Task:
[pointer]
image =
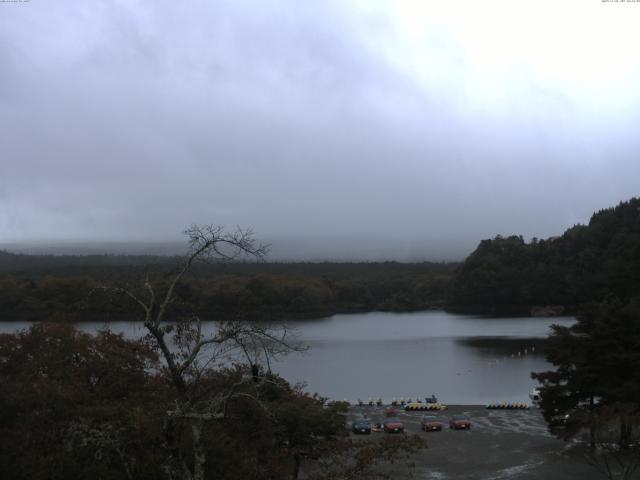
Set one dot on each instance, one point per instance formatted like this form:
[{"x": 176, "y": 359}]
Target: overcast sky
[{"x": 130, "y": 120}]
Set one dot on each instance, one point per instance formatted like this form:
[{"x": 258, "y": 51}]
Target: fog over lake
[{"x": 462, "y": 359}]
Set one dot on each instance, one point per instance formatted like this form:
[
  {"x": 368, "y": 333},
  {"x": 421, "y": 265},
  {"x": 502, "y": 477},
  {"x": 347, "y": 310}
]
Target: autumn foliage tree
[{"x": 75, "y": 405}]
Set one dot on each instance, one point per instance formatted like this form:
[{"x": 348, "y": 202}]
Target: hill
[{"x": 587, "y": 263}]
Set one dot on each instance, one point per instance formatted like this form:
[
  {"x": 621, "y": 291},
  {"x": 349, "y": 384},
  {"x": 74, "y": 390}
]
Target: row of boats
[
  {"x": 432, "y": 400},
  {"x": 431, "y": 403},
  {"x": 507, "y": 406}
]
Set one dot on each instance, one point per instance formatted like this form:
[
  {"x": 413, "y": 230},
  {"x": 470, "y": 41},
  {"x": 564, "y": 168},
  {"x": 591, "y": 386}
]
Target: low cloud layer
[{"x": 129, "y": 120}]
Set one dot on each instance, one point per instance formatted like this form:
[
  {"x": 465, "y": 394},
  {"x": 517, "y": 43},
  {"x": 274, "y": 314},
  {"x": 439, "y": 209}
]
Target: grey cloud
[{"x": 131, "y": 121}]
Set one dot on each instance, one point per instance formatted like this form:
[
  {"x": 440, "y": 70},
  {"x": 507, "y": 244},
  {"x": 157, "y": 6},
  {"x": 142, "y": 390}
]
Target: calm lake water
[{"x": 461, "y": 359}]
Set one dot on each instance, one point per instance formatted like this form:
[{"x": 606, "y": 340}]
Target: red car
[
  {"x": 459, "y": 422},
  {"x": 390, "y": 412},
  {"x": 393, "y": 425},
  {"x": 430, "y": 423}
]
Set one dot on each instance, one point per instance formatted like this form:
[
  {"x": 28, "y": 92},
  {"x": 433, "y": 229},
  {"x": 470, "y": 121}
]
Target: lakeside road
[{"x": 501, "y": 445}]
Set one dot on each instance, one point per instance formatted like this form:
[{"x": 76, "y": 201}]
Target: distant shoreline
[{"x": 282, "y": 316}]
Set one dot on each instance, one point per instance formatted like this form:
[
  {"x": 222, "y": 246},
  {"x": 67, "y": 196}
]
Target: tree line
[
  {"x": 503, "y": 275},
  {"x": 587, "y": 263},
  {"x": 249, "y": 290}
]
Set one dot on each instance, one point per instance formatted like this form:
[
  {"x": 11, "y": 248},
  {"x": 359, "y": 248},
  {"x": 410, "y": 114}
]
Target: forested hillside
[
  {"x": 41, "y": 287},
  {"x": 586, "y": 263},
  {"x": 503, "y": 275}
]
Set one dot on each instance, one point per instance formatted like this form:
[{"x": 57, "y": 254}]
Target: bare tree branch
[{"x": 206, "y": 243}]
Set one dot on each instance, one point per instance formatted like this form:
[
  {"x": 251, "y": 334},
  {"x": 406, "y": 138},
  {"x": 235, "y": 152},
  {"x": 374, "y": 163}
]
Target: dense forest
[
  {"x": 37, "y": 287},
  {"x": 503, "y": 275},
  {"x": 587, "y": 263}
]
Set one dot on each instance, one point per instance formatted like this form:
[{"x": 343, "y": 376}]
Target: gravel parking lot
[{"x": 502, "y": 444}]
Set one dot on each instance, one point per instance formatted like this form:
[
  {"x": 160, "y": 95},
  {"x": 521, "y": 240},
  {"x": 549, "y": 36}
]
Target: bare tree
[{"x": 189, "y": 352}]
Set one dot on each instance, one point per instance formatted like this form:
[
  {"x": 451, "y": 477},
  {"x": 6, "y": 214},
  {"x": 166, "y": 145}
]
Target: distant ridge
[{"x": 96, "y": 248}]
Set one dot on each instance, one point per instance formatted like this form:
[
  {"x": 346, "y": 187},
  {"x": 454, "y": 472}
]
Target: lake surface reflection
[{"x": 461, "y": 359}]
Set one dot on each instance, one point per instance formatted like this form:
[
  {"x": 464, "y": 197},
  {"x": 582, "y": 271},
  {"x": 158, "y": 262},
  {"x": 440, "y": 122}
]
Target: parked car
[
  {"x": 430, "y": 423},
  {"x": 361, "y": 425},
  {"x": 393, "y": 425},
  {"x": 390, "y": 412},
  {"x": 459, "y": 422}
]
